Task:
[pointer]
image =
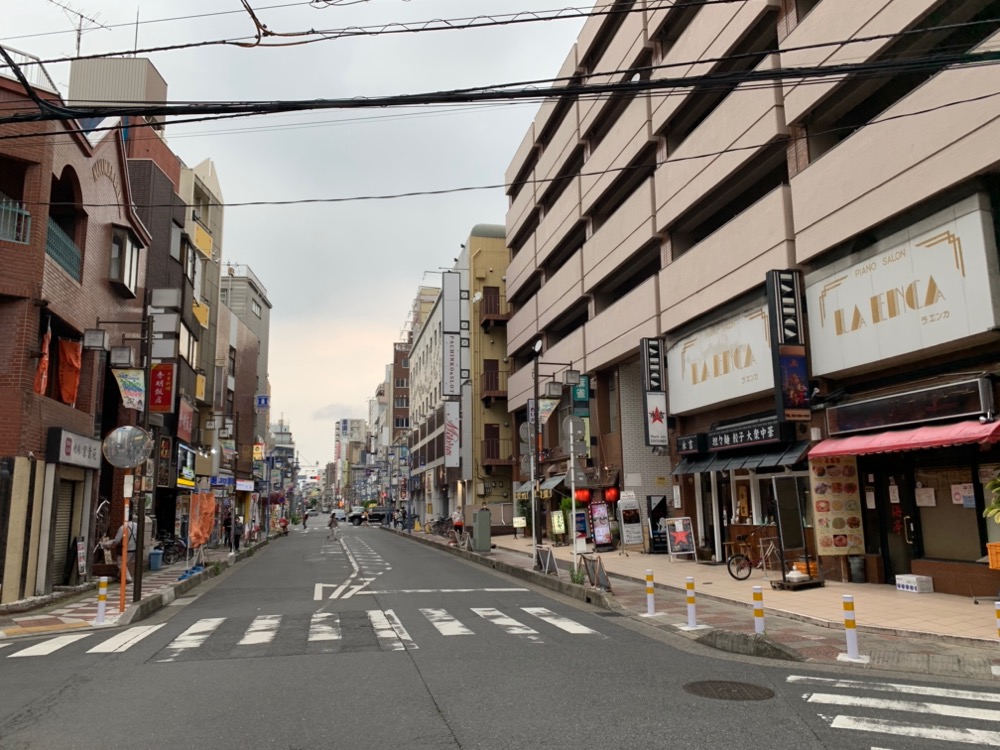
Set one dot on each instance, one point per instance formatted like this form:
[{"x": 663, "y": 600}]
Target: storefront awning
[
  {"x": 552, "y": 482},
  {"x": 930, "y": 436},
  {"x": 692, "y": 465},
  {"x": 784, "y": 455}
]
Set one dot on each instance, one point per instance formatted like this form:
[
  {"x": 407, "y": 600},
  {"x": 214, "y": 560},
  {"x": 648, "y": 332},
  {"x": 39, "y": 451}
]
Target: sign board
[
  {"x": 931, "y": 284},
  {"x": 244, "y": 485},
  {"x": 631, "y": 520},
  {"x": 596, "y": 574},
  {"x": 262, "y": 402},
  {"x": 836, "y": 499},
  {"x": 601, "y": 526},
  {"x": 451, "y": 353},
  {"x": 680, "y": 536},
  {"x": 557, "y": 523},
  {"x": 520, "y": 522},
  {"x": 452, "y": 447},
  {"x": 185, "y": 466},
  {"x": 161, "y": 394},
  {"x": 67, "y": 447},
  {"x": 656, "y": 418},
  {"x": 547, "y": 560}
]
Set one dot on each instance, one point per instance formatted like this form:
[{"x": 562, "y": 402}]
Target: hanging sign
[
  {"x": 161, "y": 395},
  {"x": 132, "y": 385}
]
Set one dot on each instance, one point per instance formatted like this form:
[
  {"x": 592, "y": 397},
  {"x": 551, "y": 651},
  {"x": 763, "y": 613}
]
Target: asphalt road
[{"x": 373, "y": 641}]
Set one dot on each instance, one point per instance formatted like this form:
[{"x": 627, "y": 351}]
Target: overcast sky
[{"x": 341, "y": 277}]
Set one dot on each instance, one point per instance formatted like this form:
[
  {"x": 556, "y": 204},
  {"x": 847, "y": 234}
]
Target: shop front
[{"x": 904, "y": 336}]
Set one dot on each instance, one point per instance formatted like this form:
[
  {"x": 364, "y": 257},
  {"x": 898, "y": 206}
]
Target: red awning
[{"x": 931, "y": 436}]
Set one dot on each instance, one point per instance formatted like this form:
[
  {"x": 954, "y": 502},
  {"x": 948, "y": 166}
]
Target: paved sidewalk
[
  {"x": 928, "y": 634},
  {"x": 159, "y": 588}
]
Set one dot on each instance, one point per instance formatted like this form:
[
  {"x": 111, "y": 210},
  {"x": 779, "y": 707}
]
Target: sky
[{"x": 341, "y": 277}]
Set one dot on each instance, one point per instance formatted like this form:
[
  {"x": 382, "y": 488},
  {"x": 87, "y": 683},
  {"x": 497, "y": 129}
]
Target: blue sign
[
  {"x": 223, "y": 481},
  {"x": 263, "y": 401}
]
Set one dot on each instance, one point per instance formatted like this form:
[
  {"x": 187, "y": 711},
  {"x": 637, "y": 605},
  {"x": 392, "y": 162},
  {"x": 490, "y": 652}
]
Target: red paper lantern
[
  {"x": 611, "y": 494},
  {"x": 583, "y": 495}
]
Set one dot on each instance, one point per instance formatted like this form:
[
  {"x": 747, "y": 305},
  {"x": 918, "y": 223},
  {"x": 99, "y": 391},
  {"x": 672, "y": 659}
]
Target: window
[
  {"x": 124, "y": 269},
  {"x": 231, "y": 369},
  {"x": 406, "y": 363},
  {"x": 190, "y": 261},
  {"x": 175, "y": 241},
  {"x": 255, "y": 307},
  {"x": 402, "y": 402},
  {"x": 187, "y": 346},
  {"x": 402, "y": 422}
]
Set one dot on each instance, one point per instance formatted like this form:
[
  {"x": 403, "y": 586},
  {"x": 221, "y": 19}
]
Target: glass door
[{"x": 900, "y": 522}]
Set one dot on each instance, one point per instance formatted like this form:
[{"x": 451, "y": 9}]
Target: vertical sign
[
  {"x": 655, "y": 398},
  {"x": 788, "y": 345},
  {"x": 161, "y": 394},
  {"x": 656, "y": 418},
  {"x": 452, "y": 453},
  {"x": 185, "y": 420}
]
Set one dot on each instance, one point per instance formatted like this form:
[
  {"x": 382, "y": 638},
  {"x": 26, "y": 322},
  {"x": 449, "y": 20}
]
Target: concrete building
[{"x": 658, "y": 213}]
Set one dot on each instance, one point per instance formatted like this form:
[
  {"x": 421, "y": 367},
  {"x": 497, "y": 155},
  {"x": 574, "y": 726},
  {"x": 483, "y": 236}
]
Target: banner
[
  {"x": 132, "y": 385},
  {"x": 258, "y": 451},
  {"x": 70, "y": 355},
  {"x": 452, "y": 453},
  {"x": 202, "y": 517},
  {"x": 547, "y": 407}
]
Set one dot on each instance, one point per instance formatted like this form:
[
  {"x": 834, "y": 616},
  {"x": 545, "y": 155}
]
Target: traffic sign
[{"x": 263, "y": 402}]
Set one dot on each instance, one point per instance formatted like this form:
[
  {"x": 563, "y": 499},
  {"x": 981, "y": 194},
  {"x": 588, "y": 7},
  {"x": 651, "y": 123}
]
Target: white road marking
[
  {"x": 391, "y": 634},
  {"x": 919, "y": 707},
  {"x": 564, "y": 623},
  {"x": 445, "y": 623},
  {"x": 262, "y": 630},
  {"x": 894, "y": 687},
  {"x": 4, "y": 645},
  {"x": 318, "y": 590},
  {"x": 193, "y": 637},
  {"x": 47, "y": 647},
  {"x": 125, "y": 640},
  {"x": 508, "y": 624},
  {"x": 324, "y": 626},
  {"x": 433, "y": 591},
  {"x": 981, "y": 737}
]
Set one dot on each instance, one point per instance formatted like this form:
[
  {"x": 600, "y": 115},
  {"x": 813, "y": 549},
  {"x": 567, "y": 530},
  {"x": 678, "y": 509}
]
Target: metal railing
[
  {"x": 61, "y": 248},
  {"x": 497, "y": 452},
  {"x": 494, "y": 307},
  {"x": 493, "y": 383},
  {"x": 15, "y": 222}
]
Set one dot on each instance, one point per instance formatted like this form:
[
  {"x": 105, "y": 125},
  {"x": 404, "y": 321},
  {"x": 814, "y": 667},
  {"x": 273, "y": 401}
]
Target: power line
[{"x": 543, "y": 181}]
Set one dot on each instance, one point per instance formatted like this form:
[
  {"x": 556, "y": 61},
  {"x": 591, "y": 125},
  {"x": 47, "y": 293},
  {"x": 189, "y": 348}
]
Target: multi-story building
[
  {"x": 73, "y": 252},
  {"x": 658, "y": 213},
  {"x": 487, "y": 445},
  {"x": 427, "y": 416}
]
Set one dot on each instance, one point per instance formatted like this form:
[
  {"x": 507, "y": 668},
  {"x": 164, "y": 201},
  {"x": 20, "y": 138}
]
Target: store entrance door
[{"x": 900, "y": 522}]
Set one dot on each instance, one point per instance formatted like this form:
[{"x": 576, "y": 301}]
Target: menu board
[
  {"x": 631, "y": 521},
  {"x": 600, "y": 524},
  {"x": 836, "y": 500}
]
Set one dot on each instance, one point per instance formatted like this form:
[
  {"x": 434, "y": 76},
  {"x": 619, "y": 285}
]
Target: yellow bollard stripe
[
  {"x": 848, "y": 606},
  {"x": 849, "y": 624},
  {"x": 649, "y": 590},
  {"x": 102, "y": 597},
  {"x": 690, "y": 600},
  {"x": 758, "y": 613}
]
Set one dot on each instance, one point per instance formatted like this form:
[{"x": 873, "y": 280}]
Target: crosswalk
[
  {"x": 903, "y": 711},
  {"x": 320, "y": 632}
]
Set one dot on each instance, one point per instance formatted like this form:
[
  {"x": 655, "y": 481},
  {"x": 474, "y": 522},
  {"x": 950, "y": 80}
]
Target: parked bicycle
[
  {"x": 754, "y": 550},
  {"x": 442, "y": 526},
  {"x": 174, "y": 548}
]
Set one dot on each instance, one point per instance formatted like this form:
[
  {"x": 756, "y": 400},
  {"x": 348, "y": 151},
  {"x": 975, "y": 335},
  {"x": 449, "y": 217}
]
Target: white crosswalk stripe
[
  {"x": 50, "y": 646},
  {"x": 324, "y": 629},
  {"x": 865, "y": 712},
  {"x": 125, "y": 640},
  {"x": 261, "y": 631}
]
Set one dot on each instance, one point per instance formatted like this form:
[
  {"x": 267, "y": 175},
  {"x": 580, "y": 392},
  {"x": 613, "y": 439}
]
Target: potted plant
[{"x": 993, "y": 511}]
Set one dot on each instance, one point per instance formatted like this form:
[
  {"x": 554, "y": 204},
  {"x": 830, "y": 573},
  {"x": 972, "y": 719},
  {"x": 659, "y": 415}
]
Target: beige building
[{"x": 658, "y": 213}]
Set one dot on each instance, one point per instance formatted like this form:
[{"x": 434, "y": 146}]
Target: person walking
[
  {"x": 364, "y": 517},
  {"x": 333, "y": 525},
  {"x": 227, "y": 529},
  {"x": 237, "y": 533},
  {"x": 116, "y": 545}
]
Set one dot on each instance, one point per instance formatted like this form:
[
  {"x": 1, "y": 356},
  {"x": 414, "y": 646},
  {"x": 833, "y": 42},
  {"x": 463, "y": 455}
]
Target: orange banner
[
  {"x": 42, "y": 372},
  {"x": 70, "y": 355},
  {"x": 202, "y": 517}
]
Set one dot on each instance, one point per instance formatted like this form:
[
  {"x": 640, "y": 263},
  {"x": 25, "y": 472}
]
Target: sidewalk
[
  {"x": 159, "y": 588},
  {"x": 928, "y": 634}
]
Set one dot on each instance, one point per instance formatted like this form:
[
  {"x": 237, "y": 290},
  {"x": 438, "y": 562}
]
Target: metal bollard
[
  {"x": 850, "y": 628},
  {"x": 650, "y": 603},
  {"x": 758, "y": 610},
  {"x": 102, "y": 599},
  {"x": 997, "y": 606},
  {"x": 692, "y": 614}
]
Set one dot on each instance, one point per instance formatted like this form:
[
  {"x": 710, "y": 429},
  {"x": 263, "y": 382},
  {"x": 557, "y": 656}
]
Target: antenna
[{"x": 80, "y": 18}]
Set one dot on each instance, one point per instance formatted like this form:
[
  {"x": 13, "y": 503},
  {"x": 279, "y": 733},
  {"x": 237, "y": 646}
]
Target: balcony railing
[
  {"x": 15, "y": 222},
  {"x": 64, "y": 251},
  {"x": 497, "y": 452},
  {"x": 493, "y": 310},
  {"x": 493, "y": 384}
]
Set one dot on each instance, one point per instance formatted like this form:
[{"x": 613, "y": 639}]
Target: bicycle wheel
[
  {"x": 169, "y": 554},
  {"x": 739, "y": 567}
]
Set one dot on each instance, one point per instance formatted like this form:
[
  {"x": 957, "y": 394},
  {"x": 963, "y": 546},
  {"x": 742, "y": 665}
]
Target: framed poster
[
  {"x": 680, "y": 536},
  {"x": 836, "y": 499},
  {"x": 601, "y": 525}
]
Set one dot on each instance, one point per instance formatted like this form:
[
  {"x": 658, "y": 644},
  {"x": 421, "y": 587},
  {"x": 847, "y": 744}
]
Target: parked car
[
  {"x": 376, "y": 514},
  {"x": 340, "y": 514}
]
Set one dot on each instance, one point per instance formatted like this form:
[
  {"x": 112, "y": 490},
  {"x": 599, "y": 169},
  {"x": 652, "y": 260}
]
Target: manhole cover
[{"x": 729, "y": 691}]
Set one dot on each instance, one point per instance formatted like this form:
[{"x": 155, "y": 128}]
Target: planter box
[
  {"x": 993, "y": 550},
  {"x": 915, "y": 584}
]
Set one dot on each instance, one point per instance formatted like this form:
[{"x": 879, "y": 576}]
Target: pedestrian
[
  {"x": 237, "y": 533},
  {"x": 227, "y": 529},
  {"x": 333, "y": 525},
  {"x": 116, "y": 545},
  {"x": 458, "y": 521},
  {"x": 305, "y": 517},
  {"x": 364, "y": 517}
]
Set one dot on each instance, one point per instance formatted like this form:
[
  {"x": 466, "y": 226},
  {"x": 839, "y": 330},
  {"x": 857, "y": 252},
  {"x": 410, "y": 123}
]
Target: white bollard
[
  {"x": 997, "y": 607},
  {"x": 650, "y": 602},
  {"x": 850, "y": 627},
  {"x": 758, "y": 610},
  {"x": 102, "y": 599},
  {"x": 692, "y": 614}
]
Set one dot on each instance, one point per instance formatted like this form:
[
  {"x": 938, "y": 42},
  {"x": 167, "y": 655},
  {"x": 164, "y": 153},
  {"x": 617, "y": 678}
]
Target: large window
[
  {"x": 255, "y": 307},
  {"x": 124, "y": 269},
  {"x": 187, "y": 346}
]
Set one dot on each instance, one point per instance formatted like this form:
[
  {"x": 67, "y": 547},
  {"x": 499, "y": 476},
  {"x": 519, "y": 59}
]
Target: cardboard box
[{"x": 915, "y": 584}]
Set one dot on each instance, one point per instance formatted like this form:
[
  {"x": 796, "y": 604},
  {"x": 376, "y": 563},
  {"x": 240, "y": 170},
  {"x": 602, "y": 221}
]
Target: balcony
[
  {"x": 497, "y": 452},
  {"x": 493, "y": 310},
  {"x": 15, "y": 222},
  {"x": 64, "y": 251},
  {"x": 493, "y": 386}
]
